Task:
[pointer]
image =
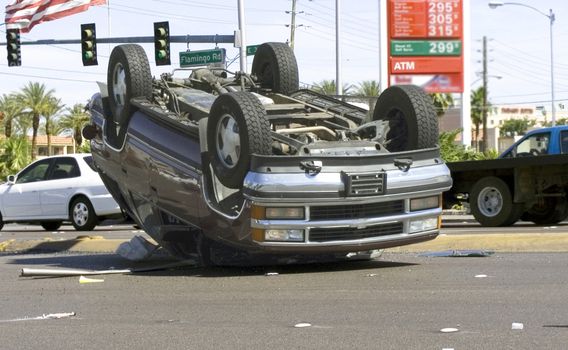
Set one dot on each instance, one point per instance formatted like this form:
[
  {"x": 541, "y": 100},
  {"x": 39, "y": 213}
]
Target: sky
[{"x": 518, "y": 43}]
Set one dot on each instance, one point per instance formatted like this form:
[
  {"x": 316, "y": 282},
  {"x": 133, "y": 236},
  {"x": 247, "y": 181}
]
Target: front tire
[
  {"x": 492, "y": 204},
  {"x": 413, "y": 122},
  {"x": 237, "y": 128},
  {"x": 128, "y": 76},
  {"x": 82, "y": 215}
]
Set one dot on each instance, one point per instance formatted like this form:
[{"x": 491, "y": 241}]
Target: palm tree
[
  {"x": 442, "y": 102},
  {"x": 74, "y": 120},
  {"x": 50, "y": 113},
  {"x": 368, "y": 88},
  {"x": 36, "y": 98},
  {"x": 9, "y": 110},
  {"x": 477, "y": 110},
  {"x": 327, "y": 87}
]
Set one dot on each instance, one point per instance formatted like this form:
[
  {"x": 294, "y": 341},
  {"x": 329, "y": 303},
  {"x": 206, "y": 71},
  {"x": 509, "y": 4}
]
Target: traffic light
[
  {"x": 162, "y": 43},
  {"x": 13, "y": 46},
  {"x": 89, "y": 44}
]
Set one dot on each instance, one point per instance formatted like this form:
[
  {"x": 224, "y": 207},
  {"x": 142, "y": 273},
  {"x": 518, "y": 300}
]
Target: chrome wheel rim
[
  {"x": 80, "y": 214},
  {"x": 490, "y": 201},
  {"x": 119, "y": 85},
  {"x": 228, "y": 142}
]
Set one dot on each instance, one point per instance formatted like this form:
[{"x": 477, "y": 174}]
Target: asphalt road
[{"x": 401, "y": 301}]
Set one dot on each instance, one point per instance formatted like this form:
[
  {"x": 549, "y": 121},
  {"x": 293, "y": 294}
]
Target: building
[{"x": 59, "y": 145}]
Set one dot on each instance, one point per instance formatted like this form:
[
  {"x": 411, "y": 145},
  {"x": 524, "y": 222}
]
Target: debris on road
[
  {"x": 271, "y": 274},
  {"x": 302, "y": 325},
  {"x": 84, "y": 280},
  {"x": 55, "y": 316},
  {"x": 517, "y": 326},
  {"x": 33, "y": 272},
  {"x": 449, "y": 330},
  {"x": 137, "y": 249},
  {"x": 481, "y": 276},
  {"x": 475, "y": 253}
]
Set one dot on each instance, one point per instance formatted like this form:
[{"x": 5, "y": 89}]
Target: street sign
[
  {"x": 251, "y": 49},
  {"x": 425, "y": 47},
  {"x": 201, "y": 57}
]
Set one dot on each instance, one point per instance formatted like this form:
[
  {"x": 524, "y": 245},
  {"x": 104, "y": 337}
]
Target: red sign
[
  {"x": 427, "y": 20},
  {"x": 425, "y": 65}
]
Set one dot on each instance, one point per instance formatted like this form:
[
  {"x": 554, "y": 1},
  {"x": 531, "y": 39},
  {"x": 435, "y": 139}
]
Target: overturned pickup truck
[{"x": 236, "y": 168}]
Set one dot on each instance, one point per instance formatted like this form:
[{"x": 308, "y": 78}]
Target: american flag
[{"x": 25, "y": 14}]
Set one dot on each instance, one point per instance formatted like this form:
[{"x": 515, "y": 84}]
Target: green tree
[
  {"x": 515, "y": 127},
  {"x": 477, "y": 110},
  {"x": 73, "y": 121},
  {"x": 368, "y": 88},
  {"x": 327, "y": 87},
  {"x": 442, "y": 102},
  {"x": 15, "y": 155},
  {"x": 50, "y": 115},
  {"x": 10, "y": 109},
  {"x": 36, "y": 98}
]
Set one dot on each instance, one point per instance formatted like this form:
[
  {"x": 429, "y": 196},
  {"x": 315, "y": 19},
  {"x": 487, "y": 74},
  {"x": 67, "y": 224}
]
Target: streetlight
[{"x": 551, "y": 17}]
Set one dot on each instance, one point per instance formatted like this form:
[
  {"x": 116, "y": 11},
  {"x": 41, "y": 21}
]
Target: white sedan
[{"x": 56, "y": 189}]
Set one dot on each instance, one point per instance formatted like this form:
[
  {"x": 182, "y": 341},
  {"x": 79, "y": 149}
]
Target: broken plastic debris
[
  {"x": 58, "y": 315},
  {"x": 302, "y": 325},
  {"x": 480, "y": 276},
  {"x": 137, "y": 249},
  {"x": 84, "y": 279},
  {"x": 271, "y": 274},
  {"x": 517, "y": 326},
  {"x": 477, "y": 253},
  {"x": 449, "y": 330},
  {"x": 370, "y": 275}
]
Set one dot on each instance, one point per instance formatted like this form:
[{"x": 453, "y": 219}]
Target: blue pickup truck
[{"x": 529, "y": 181}]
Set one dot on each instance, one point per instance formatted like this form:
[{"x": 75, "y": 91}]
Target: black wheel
[
  {"x": 492, "y": 204},
  {"x": 275, "y": 67},
  {"x": 547, "y": 211},
  {"x": 413, "y": 123},
  {"x": 237, "y": 128},
  {"x": 128, "y": 76},
  {"x": 82, "y": 215},
  {"x": 50, "y": 225},
  {"x": 1, "y": 222}
]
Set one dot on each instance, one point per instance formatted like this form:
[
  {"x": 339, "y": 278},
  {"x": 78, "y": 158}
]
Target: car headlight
[
  {"x": 424, "y": 203},
  {"x": 425, "y": 224},
  {"x": 277, "y": 213},
  {"x": 278, "y": 235}
]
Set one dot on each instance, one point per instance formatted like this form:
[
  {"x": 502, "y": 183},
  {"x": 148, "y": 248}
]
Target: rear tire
[
  {"x": 492, "y": 204},
  {"x": 275, "y": 68},
  {"x": 82, "y": 215},
  {"x": 128, "y": 76},
  {"x": 413, "y": 122},
  {"x": 550, "y": 211},
  {"x": 51, "y": 225},
  {"x": 237, "y": 128}
]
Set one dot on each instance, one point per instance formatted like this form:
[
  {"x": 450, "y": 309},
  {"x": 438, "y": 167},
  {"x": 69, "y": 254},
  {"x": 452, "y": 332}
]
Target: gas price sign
[{"x": 423, "y": 35}]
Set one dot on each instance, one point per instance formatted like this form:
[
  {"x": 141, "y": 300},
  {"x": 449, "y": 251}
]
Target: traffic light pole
[{"x": 190, "y": 39}]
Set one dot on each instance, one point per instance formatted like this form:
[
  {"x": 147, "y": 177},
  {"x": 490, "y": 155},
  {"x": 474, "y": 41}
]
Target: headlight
[
  {"x": 426, "y": 224},
  {"x": 424, "y": 203},
  {"x": 277, "y": 213},
  {"x": 280, "y": 235}
]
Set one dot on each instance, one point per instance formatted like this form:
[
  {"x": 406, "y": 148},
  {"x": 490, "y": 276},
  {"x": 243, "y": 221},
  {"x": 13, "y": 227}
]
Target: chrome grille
[
  {"x": 357, "y": 211},
  {"x": 349, "y": 233}
]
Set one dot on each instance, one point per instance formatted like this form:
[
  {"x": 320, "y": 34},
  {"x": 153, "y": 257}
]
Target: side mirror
[
  {"x": 89, "y": 132},
  {"x": 11, "y": 179}
]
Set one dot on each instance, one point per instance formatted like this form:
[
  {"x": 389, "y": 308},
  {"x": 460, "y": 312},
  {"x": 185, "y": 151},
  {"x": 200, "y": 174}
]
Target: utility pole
[
  {"x": 338, "y": 82},
  {"x": 293, "y": 24},
  {"x": 484, "y": 112}
]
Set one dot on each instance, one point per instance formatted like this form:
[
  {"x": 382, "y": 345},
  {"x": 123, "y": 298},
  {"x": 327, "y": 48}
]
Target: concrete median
[{"x": 508, "y": 242}]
